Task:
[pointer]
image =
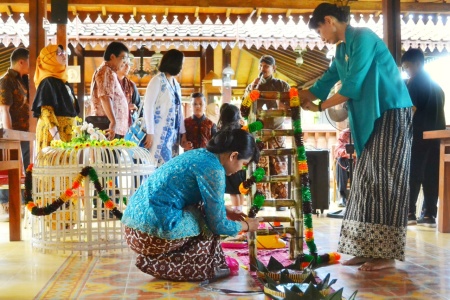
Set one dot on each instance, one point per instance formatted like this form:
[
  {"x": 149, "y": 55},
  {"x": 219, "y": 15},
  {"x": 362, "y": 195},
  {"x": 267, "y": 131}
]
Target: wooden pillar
[
  {"x": 37, "y": 36},
  {"x": 226, "y": 61},
  {"x": 61, "y": 35},
  {"x": 392, "y": 29},
  {"x": 79, "y": 52},
  {"x": 206, "y": 61}
]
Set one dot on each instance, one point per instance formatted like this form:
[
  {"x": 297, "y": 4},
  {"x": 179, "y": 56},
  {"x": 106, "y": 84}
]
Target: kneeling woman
[{"x": 175, "y": 218}]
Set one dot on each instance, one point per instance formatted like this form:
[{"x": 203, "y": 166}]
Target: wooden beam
[
  {"x": 372, "y": 6},
  {"x": 104, "y": 11},
  {"x": 392, "y": 28},
  {"x": 134, "y": 11},
  {"x": 74, "y": 10},
  {"x": 8, "y": 10},
  {"x": 197, "y": 9}
]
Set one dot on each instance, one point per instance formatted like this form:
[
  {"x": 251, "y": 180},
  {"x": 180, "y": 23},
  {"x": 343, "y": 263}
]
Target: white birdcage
[{"x": 83, "y": 223}]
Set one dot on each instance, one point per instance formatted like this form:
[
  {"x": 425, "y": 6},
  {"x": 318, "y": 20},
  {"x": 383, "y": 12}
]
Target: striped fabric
[{"x": 375, "y": 220}]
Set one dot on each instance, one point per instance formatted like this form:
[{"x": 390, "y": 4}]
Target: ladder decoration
[
  {"x": 303, "y": 171},
  {"x": 301, "y": 204}
]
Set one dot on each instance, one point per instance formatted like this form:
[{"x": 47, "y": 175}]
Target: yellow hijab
[{"x": 48, "y": 66}]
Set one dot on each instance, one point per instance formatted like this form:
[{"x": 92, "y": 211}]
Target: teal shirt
[
  {"x": 165, "y": 204},
  {"x": 370, "y": 79}
]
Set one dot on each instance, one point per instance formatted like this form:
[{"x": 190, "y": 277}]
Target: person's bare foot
[
  {"x": 377, "y": 264},
  {"x": 357, "y": 260}
]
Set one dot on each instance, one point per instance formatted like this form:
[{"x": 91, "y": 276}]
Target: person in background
[
  {"x": 230, "y": 118},
  {"x": 107, "y": 96},
  {"x": 428, "y": 99},
  {"x": 15, "y": 108},
  {"x": 163, "y": 112},
  {"x": 175, "y": 218},
  {"x": 130, "y": 90},
  {"x": 199, "y": 129},
  {"x": 277, "y": 164},
  {"x": 342, "y": 165},
  {"x": 213, "y": 112},
  {"x": 375, "y": 220},
  {"x": 55, "y": 104}
]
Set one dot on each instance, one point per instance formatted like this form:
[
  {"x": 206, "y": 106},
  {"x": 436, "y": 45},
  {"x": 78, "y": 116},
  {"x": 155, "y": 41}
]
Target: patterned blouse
[
  {"x": 14, "y": 93},
  {"x": 164, "y": 205},
  {"x": 106, "y": 83},
  {"x": 199, "y": 131}
]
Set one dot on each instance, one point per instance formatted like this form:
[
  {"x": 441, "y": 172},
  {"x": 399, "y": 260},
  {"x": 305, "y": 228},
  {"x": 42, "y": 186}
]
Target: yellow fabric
[
  {"x": 48, "y": 120},
  {"x": 269, "y": 242},
  {"x": 48, "y": 66}
]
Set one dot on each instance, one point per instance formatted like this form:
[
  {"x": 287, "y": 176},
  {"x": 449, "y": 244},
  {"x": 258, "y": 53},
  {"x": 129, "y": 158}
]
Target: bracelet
[
  {"x": 248, "y": 226},
  {"x": 320, "y": 106}
]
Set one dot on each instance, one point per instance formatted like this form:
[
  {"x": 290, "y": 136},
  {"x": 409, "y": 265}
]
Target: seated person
[{"x": 175, "y": 219}]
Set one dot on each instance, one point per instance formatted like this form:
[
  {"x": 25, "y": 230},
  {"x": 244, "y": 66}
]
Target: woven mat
[{"x": 282, "y": 255}]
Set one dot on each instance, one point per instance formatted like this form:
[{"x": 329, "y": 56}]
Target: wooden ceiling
[{"x": 244, "y": 61}]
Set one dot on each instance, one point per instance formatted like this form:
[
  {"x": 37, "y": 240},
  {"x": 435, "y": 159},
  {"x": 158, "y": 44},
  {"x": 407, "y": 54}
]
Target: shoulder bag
[{"x": 136, "y": 133}]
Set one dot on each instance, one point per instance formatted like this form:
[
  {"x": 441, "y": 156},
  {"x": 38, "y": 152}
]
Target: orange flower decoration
[
  {"x": 302, "y": 167},
  {"x": 109, "y": 204},
  {"x": 69, "y": 193},
  {"x": 293, "y": 92},
  {"x": 254, "y": 95},
  {"x": 30, "y": 205},
  {"x": 75, "y": 184},
  {"x": 243, "y": 190}
]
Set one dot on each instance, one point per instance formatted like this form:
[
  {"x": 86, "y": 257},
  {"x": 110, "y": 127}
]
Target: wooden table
[
  {"x": 444, "y": 177},
  {"x": 10, "y": 160}
]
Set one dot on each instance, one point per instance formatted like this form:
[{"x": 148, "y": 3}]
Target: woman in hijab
[
  {"x": 55, "y": 104},
  {"x": 213, "y": 112}
]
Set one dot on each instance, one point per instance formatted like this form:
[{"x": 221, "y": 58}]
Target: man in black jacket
[{"x": 428, "y": 99}]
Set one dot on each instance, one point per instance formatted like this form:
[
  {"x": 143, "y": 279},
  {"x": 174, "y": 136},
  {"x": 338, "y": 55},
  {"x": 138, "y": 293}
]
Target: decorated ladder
[{"x": 300, "y": 220}]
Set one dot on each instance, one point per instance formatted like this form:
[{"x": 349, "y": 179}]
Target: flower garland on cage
[
  {"x": 67, "y": 194},
  {"x": 85, "y": 135},
  {"x": 302, "y": 166},
  {"x": 247, "y": 103}
]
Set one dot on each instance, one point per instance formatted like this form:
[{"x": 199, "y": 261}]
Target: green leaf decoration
[
  {"x": 310, "y": 279},
  {"x": 284, "y": 277},
  {"x": 324, "y": 283},
  {"x": 312, "y": 293},
  {"x": 270, "y": 282},
  {"x": 291, "y": 295},
  {"x": 297, "y": 265},
  {"x": 261, "y": 267},
  {"x": 336, "y": 295},
  {"x": 274, "y": 265},
  {"x": 353, "y": 296}
]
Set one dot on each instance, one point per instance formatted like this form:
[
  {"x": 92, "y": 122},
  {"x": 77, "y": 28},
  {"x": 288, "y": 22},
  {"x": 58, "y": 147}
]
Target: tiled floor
[{"x": 28, "y": 274}]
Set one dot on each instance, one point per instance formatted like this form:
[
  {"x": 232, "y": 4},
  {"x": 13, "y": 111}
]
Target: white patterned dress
[{"x": 163, "y": 117}]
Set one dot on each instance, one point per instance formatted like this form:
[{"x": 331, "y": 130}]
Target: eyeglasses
[
  {"x": 61, "y": 53},
  {"x": 123, "y": 57}
]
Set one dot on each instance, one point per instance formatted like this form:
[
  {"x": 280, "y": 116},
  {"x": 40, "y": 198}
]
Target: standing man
[
  {"x": 107, "y": 96},
  {"x": 277, "y": 164},
  {"x": 14, "y": 105},
  {"x": 428, "y": 99}
]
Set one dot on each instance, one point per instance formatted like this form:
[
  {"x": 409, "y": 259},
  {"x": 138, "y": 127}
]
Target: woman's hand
[
  {"x": 148, "y": 141},
  {"x": 234, "y": 215},
  {"x": 251, "y": 224},
  {"x": 187, "y": 145}
]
